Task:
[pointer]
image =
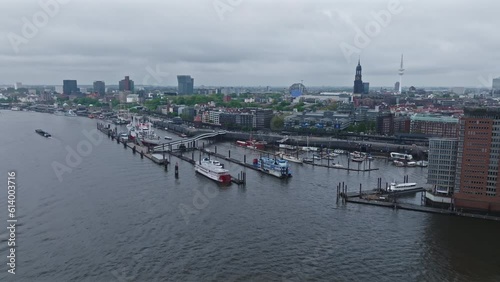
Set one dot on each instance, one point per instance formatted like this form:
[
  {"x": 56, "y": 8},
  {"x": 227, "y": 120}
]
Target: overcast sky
[{"x": 251, "y": 42}]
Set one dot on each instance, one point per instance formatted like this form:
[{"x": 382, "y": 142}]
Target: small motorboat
[
  {"x": 43, "y": 133},
  {"x": 168, "y": 138}
]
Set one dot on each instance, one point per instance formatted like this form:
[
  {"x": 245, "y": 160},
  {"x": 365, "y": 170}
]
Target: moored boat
[
  {"x": 43, "y": 133},
  {"x": 394, "y": 187},
  {"x": 274, "y": 167},
  {"x": 213, "y": 170},
  {"x": 291, "y": 158}
]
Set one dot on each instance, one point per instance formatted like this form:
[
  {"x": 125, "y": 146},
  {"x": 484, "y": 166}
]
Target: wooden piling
[{"x": 176, "y": 170}]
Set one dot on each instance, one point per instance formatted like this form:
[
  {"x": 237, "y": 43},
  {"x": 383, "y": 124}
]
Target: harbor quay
[
  {"x": 375, "y": 148},
  {"x": 378, "y": 196}
]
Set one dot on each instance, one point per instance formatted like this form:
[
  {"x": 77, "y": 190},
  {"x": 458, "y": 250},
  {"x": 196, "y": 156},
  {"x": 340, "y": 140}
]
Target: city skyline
[{"x": 312, "y": 41}]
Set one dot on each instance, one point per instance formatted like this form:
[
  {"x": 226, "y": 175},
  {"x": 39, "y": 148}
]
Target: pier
[
  {"x": 139, "y": 149},
  {"x": 379, "y": 197},
  {"x": 159, "y": 157}
]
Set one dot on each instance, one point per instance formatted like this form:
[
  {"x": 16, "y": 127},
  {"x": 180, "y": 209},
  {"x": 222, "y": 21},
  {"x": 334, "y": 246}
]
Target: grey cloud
[{"x": 258, "y": 42}]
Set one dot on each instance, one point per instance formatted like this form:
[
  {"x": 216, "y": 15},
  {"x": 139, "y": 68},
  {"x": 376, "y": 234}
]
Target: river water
[{"x": 108, "y": 215}]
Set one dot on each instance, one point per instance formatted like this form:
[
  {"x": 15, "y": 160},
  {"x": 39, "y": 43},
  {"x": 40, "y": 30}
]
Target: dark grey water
[{"x": 117, "y": 217}]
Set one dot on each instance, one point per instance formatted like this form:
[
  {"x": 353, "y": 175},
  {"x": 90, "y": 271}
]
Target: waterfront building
[
  {"x": 126, "y": 84},
  {"x": 185, "y": 84},
  {"x": 441, "y": 170},
  {"x": 100, "y": 88},
  {"x": 262, "y": 118},
  {"x": 70, "y": 87},
  {"x": 434, "y": 125},
  {"x": 476, "y": 182}
]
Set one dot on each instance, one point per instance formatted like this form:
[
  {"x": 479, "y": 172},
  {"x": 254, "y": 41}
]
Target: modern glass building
[
  {"x": 185, "y": 84},
  {"x": 70, "y": 87},
  {"x": 442, "y": 164}
]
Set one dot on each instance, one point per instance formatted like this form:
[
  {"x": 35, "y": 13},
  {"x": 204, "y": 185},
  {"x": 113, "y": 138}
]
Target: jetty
[{"x": 382, "y": 198}]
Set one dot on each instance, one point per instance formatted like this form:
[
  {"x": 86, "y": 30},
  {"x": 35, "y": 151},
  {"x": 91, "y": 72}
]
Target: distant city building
[
  {"x": 59, "y": 89},
  {"x": 185, "y": 84},
  {"x": 434, "y": 125},
  {"x": 297, "y": 90},
  {"x": 132, "y": 98},
  {"x": 70, "y": 87},
  {"x": 458, "y": 90},
  {"x": 477, "y": 183},
  {"x": 496, "y": 87},
  {"x": 126, "y": 84},
  {"x": 366, "y": 87},
  {"x": 358, "y": 82},
  {"x": 100, "y": 87},
  {"x": 396, "y": 86},
  {"x": 18, "y": 85}
]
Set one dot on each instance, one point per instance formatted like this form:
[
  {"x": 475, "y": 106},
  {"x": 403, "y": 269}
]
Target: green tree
[{"x": 277, "y": 122}]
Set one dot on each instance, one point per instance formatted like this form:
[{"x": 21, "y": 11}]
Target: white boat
[
  {"x": 399, "y": 156},
  {"x": 411, "y": 164},
  {"x": 399, "y": 163},
  {"x": 213, "y": 170},
  {"x": 168, "y": 138},
  {"x": 14, "y": 109},
  {"x": 70, "y": 113},
  {"x": 394, "y": 187},
  {"x": 337, "y": 165},
  {"x": 338, "y": 151},
  {"x": 422, "y": 163},
  {"x": 316, "y": 157},
  {"x": 291, "y": 158}
]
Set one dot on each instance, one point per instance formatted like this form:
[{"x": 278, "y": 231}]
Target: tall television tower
[{"x": 401, "y": 73}]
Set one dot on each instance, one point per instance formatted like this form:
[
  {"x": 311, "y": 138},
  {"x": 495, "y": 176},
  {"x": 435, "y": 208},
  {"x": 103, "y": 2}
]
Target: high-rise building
[
  {"x": 496, "y": 87},
  {"x": 185, "y": 84},
  {"x": 476, "y": 182},
  {"x": 126, "y": 84},
  {"x": 100, "y": 87},
  {"x": 366, "y": 87},
  {"x": 18, "y": 85},
  {"x": 358, "y": 82},
  {"x": 263, "y": 118},
  {"x": 70, "y": 87},
  {"x": 442, "y": 165},
  {"x": 396, "y": 86}
]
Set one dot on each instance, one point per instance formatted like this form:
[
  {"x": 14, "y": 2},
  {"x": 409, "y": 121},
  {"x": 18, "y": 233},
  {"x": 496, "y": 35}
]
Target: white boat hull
[{"x": 212, "y": 175}]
